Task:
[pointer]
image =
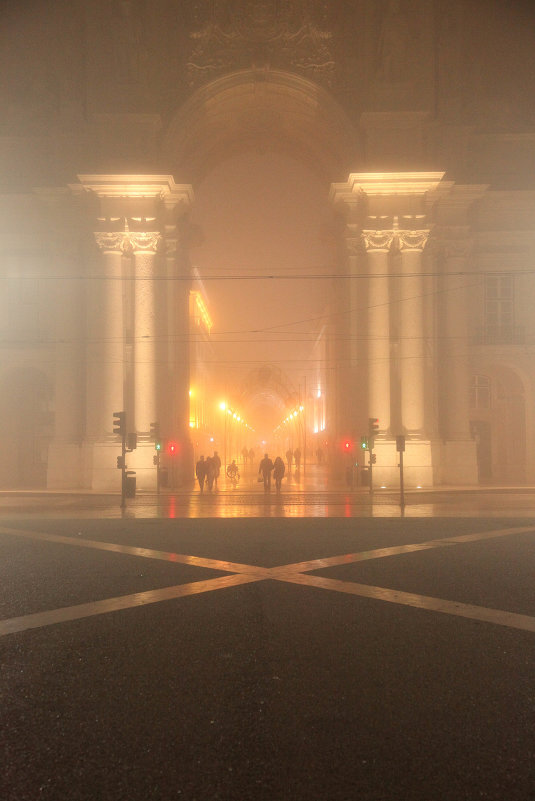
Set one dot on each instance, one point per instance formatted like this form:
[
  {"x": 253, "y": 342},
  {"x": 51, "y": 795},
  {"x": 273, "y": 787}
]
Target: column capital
[
  {"x": 111, "y": 241},
  {"x": 378, "y": 241},
  {"x": 144, "y": 241},
  {"x": 128, "y": 241},
  {"x": 412, "y": 241}
]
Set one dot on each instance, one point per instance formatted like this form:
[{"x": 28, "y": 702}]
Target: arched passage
[
  {"x": 261, "y": 148},
  {"x": 260, "y": 110}
]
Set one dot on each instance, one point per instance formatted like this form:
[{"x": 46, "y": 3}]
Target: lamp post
[{"x": 223, "y": 407}]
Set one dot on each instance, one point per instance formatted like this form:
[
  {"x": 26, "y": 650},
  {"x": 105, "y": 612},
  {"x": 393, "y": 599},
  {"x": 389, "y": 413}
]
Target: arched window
[{"x": 480, "y": 392}]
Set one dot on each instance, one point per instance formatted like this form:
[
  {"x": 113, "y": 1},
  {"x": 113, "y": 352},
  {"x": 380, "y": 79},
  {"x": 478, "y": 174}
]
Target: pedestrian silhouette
[
  {"x": 217, "y": 466},
  {"x": 289, "y": 459},
  {"x": 200, "y": 472},
  {"x": 278, "y": 472},
  {"x": 265, "y": 468}
]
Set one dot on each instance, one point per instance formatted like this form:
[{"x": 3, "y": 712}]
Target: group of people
[
  {"x": 267, "y": 467},
  {"x": 207, "y": 471},
  {"x": 247, "y": 455},
  {"x": 295, "y": 458}
]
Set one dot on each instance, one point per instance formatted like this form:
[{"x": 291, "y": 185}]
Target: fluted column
[
  {"x": 354, "y": 371},
  {"x": 412, "y": 350},
  {"x": 378, "y": 244},
  {"x": 107, "y": 384},
  {"x": 144, "y": 247}
]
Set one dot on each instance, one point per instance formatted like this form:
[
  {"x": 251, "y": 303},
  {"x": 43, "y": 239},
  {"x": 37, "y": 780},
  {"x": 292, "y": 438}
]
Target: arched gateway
[{"x": 415, "y": 232}]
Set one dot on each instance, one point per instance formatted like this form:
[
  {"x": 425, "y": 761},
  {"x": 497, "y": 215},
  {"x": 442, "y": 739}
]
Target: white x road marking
[{"x": 247, "y": 574}]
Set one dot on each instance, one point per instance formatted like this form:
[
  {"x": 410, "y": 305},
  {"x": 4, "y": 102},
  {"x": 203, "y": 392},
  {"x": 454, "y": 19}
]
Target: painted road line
[
  {"x": 71, "y": 613},
  {"x": 396, "y": 550},
  {"x": 495, "y": 616},
  {"x": 146, "y": 553}
]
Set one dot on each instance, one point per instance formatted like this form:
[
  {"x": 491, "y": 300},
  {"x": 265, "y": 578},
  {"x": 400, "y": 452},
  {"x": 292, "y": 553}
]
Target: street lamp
[{"x": 223, "y": 407}]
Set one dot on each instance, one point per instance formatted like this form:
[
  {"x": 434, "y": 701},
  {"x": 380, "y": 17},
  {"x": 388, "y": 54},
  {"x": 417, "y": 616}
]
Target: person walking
[
  {"x": 210, "y": 472},
  {"x": 289, "y": 459},
  {"x": 278, "y": 472},
  {"x": 217, "y": 466},
  {"x": 265, "y": 467},
  {"x": 200, "y": 472}
]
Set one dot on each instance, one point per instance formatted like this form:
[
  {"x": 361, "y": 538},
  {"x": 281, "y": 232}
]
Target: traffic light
[
  {"x": 373, "y": 458},
  {"x": 119, "y": 423},
  {"x": 364, "y": 443},
  {"x": 131, "y": 442},
  {"x": 172, "y": 448},
  {"x": 347, "y": 445},
  {"x": 120, "y": 462},
  {"x": 155, "y": 435},
  {"x": 373, "y": 426}
]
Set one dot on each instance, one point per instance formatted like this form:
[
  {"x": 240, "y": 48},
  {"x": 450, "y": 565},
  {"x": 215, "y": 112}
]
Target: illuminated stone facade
[{"x": 420, "y": 118}]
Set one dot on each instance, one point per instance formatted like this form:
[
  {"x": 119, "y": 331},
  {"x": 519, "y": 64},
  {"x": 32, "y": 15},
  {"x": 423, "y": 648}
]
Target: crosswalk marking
[{"x": 294, "y": 573}]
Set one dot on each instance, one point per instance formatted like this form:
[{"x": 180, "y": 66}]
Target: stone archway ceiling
[
  {"x": 269, "y": 389},
  {"x": 260, "y": 110}
]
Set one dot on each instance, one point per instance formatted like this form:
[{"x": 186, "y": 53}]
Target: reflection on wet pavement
[
  {"x": 308, "y": 494},
  {"x": 335, "y": 503}
]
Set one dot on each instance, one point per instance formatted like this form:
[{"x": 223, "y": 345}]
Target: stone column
[
  {"x": 412, "y": 351},
  {"x": 354, "y": 409},
  {"x": 378, "y": 244},
  {"x": 178, "y": 272},
  {"x": 144, "y": 247},
  {"x": 108, "y": 329}
]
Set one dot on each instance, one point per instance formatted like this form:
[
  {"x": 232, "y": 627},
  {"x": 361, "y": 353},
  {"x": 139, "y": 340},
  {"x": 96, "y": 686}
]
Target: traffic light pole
[
  {"x": 155, "y": 437},
  {"x": 400, "y": 448},
  {"x": 123, "y": 466},
  {"x": 119, "y": 427},
  {"x": 401, "y": 485},
  {"x": 370, "y": 453}
]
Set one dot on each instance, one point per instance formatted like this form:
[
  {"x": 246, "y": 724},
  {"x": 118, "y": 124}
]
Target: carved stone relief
[{"x": 261, "y": 34}]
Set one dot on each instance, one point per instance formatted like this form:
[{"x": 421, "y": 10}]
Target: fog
[
  {"x": 389, "y": 143},
  {"x": 264, "y": 218}
]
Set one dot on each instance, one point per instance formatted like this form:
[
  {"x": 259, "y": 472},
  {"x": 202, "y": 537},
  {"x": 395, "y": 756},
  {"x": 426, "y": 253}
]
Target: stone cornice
[
  {"x": 134, "y": 186},
  {"x": 387, "y": 183}
]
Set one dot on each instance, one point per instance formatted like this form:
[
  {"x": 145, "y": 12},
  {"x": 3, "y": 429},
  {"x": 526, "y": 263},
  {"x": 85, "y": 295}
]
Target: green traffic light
[{"x": 158, "y": 446}]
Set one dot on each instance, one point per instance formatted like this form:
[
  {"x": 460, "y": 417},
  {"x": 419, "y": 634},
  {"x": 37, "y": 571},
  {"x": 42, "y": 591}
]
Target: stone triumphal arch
[{"x": 431, "y": 231}]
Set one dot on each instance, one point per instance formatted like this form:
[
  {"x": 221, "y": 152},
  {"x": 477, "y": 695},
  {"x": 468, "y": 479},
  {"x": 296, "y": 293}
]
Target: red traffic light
[
  {"x": 347, "y": 445},
  {"x": 172, "y": 448},
  {"x": 373, "y": 425}
]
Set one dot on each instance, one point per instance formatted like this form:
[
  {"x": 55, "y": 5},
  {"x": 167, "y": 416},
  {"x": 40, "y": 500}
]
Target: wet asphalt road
[{"x": 269, "y": 689}]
